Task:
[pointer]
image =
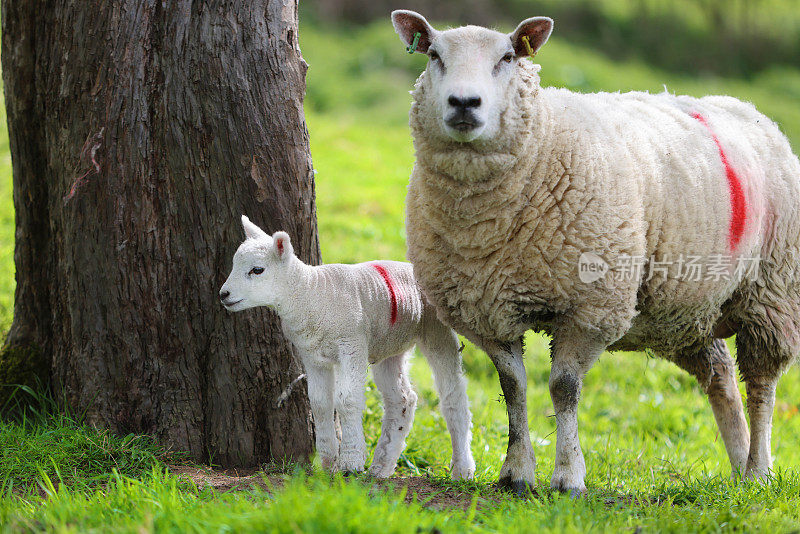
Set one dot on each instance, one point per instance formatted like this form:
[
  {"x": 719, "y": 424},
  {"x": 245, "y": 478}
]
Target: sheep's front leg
[
  {"x": 519, "y": 469},
  {"x": 350, "y": 403},
  {"x": 573, "y": 353},
  {"x": 320, "y": 396}
]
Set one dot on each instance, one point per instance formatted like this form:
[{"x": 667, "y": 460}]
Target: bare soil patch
[
  {"x": 430, "y": 493},
  {"x": 226, "y": 479}
]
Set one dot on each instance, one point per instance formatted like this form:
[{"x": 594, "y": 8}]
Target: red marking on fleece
[
  {"x": 738, "y": 204},
  {"x": 389, "y": 284}
]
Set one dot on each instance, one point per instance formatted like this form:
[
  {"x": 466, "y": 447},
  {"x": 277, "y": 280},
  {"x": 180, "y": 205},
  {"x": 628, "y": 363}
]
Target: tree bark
[{"x": 140, "y": 131}]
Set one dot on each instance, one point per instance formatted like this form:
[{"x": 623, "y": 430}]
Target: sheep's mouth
[
  {"x": 463, "y": 122},
  {"x": 229, "y": 305}
]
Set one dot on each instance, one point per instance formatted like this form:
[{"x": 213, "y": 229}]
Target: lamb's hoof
[
  {"x": 519, "y": 488},
  {"x": 757, "y": 474},
  {"x": 349, "y": 474},
  {"x": 463, "y": 471}
]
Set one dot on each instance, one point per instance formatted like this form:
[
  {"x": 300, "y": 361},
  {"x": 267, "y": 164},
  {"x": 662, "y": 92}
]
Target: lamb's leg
[
  {"x": 350, "y": 403},
  {"x": 440, "y": 346},
  {"x": 320, "y": 396},
  {"x": 573, "y": 353},
  {"x": 714, "y": 369},
  {"x": 519, "y": 469},
  {"x": 399, "y": 403}
]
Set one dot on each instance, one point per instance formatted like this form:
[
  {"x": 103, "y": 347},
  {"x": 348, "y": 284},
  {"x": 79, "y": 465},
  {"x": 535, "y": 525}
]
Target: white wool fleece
[
  {"x": 497, "y": 225},
  {"x": 340, "y": 318}
]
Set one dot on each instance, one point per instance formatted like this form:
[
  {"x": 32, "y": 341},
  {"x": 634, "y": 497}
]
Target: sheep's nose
[
  {"x": 224, "y": 294},
  {"x": 464, "y": 103}
]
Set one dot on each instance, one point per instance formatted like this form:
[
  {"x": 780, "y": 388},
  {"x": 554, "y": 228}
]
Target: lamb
[
  {"x": 340, "y": 318},
  {"x": 517, "y": 187}
]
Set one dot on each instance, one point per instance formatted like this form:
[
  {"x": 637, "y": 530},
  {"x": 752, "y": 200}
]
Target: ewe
[
  {"x": 340, "y": 318},
  {"x": 516, "y": 186}
]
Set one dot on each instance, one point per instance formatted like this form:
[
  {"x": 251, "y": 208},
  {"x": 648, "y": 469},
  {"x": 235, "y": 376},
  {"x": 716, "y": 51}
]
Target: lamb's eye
[
  {"x": 256, "y": 270},
  {"x": 433, "y": 55},
  {"x": 508, "y": 57}
]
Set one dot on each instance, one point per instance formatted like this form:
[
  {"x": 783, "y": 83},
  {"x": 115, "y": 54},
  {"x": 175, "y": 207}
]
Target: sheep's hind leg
[
  {"x": 519, "y": 469},
  {"x": 760, "y": 406},
  {"x": 573, "y": 353},
  {"x": 350, "y": 404},
  {"x": 714, "y": 369},
  {"x": 762, "y": 356},
  {"x": 440, "y": 346},
  {"x": 399, "y": 403}
]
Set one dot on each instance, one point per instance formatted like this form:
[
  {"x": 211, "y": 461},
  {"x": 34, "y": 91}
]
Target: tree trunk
[{"x": 140, "y": 131}]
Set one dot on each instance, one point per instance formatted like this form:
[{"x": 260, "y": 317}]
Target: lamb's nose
[
  {"x": 224, "y": 294},
  {"x": 464, "y": 103}
]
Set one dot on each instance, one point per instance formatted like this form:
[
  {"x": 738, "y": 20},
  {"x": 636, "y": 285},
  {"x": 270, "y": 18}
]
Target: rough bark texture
[{"x": 140, "y": 132}]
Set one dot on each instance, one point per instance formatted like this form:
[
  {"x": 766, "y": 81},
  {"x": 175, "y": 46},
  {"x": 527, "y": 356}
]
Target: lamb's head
[
  {"x": 470, "y": 70},
  {"x": 259, "y": 268}
]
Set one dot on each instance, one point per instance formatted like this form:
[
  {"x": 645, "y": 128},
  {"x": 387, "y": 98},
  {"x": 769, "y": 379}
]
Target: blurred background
[{"x": 735, "y": 37}]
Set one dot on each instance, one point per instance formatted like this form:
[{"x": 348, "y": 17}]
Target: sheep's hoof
[
  {"x": 519, "y": 488},
  {"x": 348, "y": 474},
  {"x": 568, "y": 483},
  {"x": 575, "y": 493}
]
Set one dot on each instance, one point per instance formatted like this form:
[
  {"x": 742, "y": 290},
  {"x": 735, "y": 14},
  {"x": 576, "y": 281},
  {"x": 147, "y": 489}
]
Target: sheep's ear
[
  {"x": 407, "y": 23},
  {"x": 536, "y": 29},
  {"x": 251, "y": 231},
  {"x": 283, "y": 245}
]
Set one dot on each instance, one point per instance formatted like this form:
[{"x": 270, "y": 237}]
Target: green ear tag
[
  {"x": 413, "y": 46},
  {"x": 527, "y": 44}
]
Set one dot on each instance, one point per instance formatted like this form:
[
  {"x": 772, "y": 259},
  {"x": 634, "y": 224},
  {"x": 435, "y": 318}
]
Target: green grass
[
  {"x": 58, "y": 448},
  {"x": 654, "y": 457}
]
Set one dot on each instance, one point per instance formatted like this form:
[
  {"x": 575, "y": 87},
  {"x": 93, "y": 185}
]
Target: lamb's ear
[
  {"x": 536, "y": 29},
  {"x": 283, "y": 245},
  {"x": 251, "y": 231},
  {"x": 407, "y": 23}
]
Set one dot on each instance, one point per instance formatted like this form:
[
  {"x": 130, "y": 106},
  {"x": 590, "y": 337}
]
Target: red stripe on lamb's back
[{"x": 390, "y": 285}]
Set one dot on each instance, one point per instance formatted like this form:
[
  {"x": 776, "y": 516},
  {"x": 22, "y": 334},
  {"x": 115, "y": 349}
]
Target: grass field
[{"x": 654, "y": 458}]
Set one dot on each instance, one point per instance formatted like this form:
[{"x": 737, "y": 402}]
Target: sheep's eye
[
  {"x": 508, "y": 57},
  {"x": 256, "y": 270},
  {"x": 433, "y": 55}
]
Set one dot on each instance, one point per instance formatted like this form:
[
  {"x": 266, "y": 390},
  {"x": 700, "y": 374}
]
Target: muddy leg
[
  {"x": 573, "y": 353},
  {"x": 519, "y": 469}
]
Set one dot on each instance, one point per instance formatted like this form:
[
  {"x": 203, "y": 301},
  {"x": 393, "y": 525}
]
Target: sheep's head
[
  {"x": 470, "y": 69},
  {"x": 258, "y": 266}
]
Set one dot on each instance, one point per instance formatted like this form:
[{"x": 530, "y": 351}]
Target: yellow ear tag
[{"x": 527, "y": 44}]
